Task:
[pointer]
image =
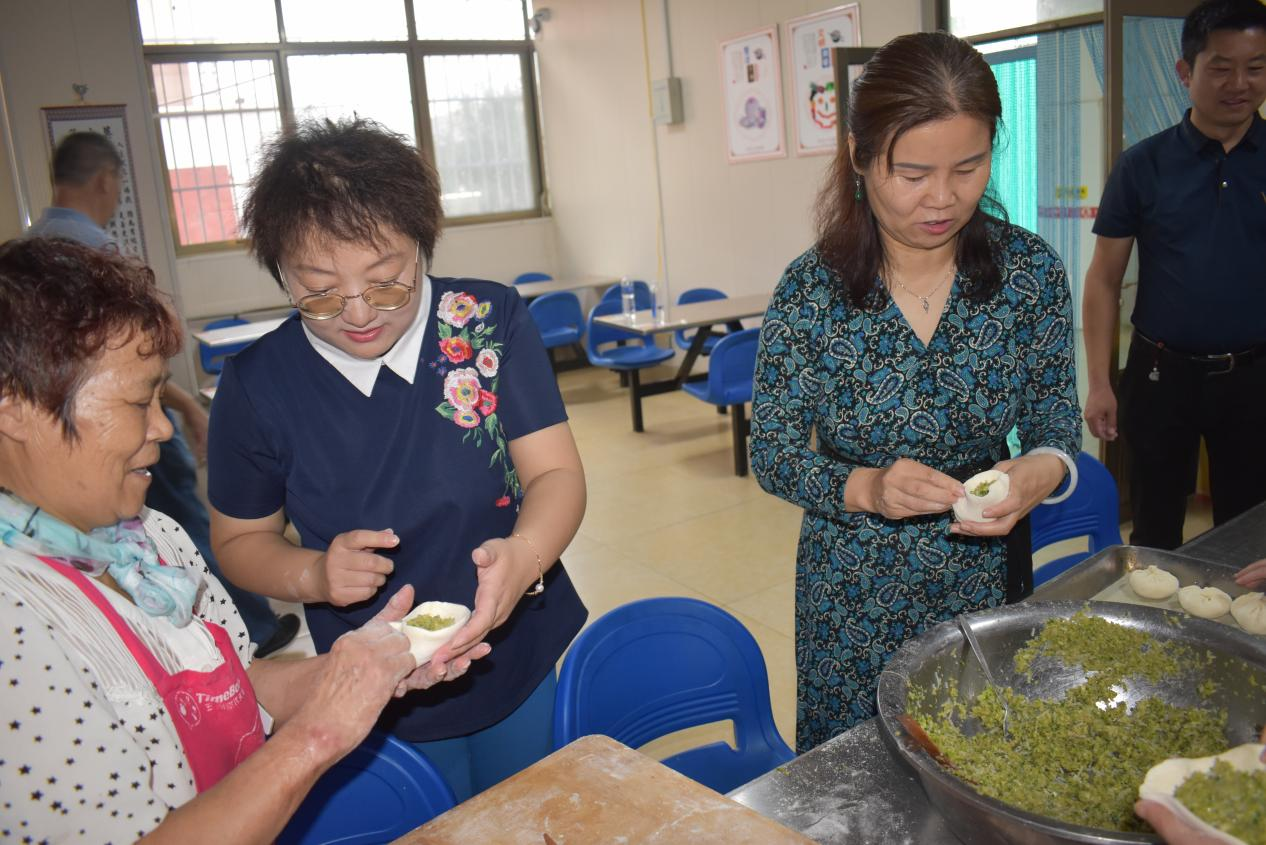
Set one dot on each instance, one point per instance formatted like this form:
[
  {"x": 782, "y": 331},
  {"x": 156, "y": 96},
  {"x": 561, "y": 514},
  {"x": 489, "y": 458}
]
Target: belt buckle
[{"x": 1229, "y": 357}]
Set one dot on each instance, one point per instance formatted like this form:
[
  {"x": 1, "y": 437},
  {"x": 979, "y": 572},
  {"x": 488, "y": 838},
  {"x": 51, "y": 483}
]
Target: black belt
[
  {"x": 1215, "y": 364},
  {"x": 1019, "y": 542}
]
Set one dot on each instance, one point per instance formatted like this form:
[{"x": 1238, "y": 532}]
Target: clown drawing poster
[
  {"x": 816, "y": 102},
  {"x": 752, "y": 87}
]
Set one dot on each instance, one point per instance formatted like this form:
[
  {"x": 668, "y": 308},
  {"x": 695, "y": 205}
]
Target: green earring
[{"x": 857, "y": 188}]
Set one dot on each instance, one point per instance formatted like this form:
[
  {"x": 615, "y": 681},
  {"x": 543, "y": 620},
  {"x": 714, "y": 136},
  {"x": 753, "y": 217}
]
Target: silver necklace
[{"x": 923, "y": 299}]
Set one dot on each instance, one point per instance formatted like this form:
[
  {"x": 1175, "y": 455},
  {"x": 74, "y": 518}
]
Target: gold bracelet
[{"x": 539, "y": 586}]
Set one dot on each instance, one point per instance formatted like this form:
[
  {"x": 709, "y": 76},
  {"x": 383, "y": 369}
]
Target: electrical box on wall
[{"x": 666, "y": 100}]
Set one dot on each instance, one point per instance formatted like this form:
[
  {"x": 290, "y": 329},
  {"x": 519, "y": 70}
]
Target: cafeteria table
[
  {"x": 244, "y": 333},
  {"x": 531, "y": 290},
  {"x": 256, "y": 329},
  {"x": 703, "y": 316}
]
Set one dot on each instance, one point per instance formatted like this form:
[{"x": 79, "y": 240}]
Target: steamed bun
[
  {"x": 1205, "y": 602},
  {"x": 424, "y": 641},
  {"x": 1250, "y": 611},
  {"x": 984, "y": 489},
  {"x": 1153, "y": 583}
]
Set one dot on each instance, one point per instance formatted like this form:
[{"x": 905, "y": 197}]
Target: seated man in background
[{"x": 87, "y": 180}]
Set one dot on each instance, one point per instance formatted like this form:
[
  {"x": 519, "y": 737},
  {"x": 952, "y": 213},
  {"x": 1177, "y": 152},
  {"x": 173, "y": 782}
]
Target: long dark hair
[{"x": 911, "y": 80}]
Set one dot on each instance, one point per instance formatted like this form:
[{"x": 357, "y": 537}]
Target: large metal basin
[{"x": 941, "y": 654}]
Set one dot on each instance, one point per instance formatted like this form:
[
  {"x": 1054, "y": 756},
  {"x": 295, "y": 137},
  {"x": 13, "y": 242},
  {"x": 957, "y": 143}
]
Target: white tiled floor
[{"x": 667, "y": 516}]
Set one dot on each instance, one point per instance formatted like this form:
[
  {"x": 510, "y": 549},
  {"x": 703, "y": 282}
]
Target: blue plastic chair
[
  {"x": 381, "y": 791},
  {"x": 532, "y": 276},
  {"x": 1093, "y": 509},
  {"x": 560, "y": 321},
  {"x": 729, "y": 385},
  {"x": 212, "y": 358},
  {"x": 697, "y": 295},
  {"x": 660, "y": 665},
  {"x": 622, "y": 351}
]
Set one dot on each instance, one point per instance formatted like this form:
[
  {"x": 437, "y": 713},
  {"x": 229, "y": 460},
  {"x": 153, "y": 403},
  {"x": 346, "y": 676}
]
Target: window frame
[{"x": 415, "y": 51}]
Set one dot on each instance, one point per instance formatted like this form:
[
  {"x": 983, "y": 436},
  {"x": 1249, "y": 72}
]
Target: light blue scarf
[{"x": 122, "y": 549}]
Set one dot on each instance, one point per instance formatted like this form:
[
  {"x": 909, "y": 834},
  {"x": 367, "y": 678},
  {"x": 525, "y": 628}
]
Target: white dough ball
[
  {"x": 983, "y": 490},
  {"x": 1250, "y": 611},
  {"x": 1153, "y": 583},
  {"x": 1205, "y": 602},
  {"x": 424, "y": 643}
]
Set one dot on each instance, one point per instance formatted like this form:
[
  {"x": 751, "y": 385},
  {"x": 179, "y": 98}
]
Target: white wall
[
  {"x": 10, "y": 226},
  {"x": 733, "y": 227}
]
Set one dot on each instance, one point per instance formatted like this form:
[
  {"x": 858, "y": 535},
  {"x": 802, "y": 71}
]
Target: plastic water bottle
[
  {"x": 628, "y": 298},
  {"x": 657, "y": 311}
]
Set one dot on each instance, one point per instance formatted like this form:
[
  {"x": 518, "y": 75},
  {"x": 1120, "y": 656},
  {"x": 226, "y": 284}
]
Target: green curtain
[{"x": 1014, "y": 180}]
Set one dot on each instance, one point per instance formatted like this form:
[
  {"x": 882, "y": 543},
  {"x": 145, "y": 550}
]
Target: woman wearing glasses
[{"x": 411, "y": 430}]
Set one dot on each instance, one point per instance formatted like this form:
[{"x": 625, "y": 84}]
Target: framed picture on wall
[
  {"x": 815, "y": 99},
  {"x": 751, "y": 90},
  {"x": 110, "y": 121}
]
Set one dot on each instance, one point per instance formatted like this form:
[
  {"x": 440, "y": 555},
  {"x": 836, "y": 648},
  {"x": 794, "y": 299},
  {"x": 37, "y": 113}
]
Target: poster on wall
[
  {"x": 110, "y": 121},
  {"x": 815, "y": 101},
  {"x": 752, "y": 90}
]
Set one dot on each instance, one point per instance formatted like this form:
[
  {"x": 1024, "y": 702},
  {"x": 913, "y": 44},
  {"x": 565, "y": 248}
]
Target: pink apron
[{"x": 215, "y": 713}]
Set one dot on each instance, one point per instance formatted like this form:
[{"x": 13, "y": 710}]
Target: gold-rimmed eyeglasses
[{"x": 381, "y": 296}]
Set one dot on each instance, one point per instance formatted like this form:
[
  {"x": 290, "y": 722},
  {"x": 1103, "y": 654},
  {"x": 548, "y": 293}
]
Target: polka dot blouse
[{"x": 89, "y": 753}]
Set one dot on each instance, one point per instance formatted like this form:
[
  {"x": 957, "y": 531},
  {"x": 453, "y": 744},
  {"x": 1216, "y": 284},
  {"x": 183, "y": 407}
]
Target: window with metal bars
[{"x": 455, "y": 77}]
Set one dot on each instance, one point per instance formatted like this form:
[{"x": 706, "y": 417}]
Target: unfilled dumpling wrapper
[
  {"x": 1153, "y": 583},
  {"x": 1250, "y": 611},
  {"x": 984, "y": 489},
  {"x": 1165, "y": 777},
  {"x": 1205, "y": 602},
  {"x": 424, "y": 643}
]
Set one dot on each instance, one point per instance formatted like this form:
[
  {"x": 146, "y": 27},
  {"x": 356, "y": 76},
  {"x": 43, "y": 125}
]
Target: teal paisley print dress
[{"x": 839, "y": 387}]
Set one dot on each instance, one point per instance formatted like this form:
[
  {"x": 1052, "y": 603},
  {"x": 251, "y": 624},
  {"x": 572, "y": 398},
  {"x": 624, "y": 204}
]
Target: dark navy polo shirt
[
  {"x": 289, "y": 431},
  {"x": 1198, "y": 215}
]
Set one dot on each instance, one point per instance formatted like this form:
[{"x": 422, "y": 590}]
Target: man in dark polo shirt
[{"x": 1194, "y": 197}]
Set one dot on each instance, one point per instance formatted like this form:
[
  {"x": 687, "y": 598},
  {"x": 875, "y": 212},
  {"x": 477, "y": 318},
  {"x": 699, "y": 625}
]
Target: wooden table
[
  {"x": 530, "y": 290},
  {"x": 596, "y": 790},
  {"x": 703, "y": 316},
  {"x": 230, "y": 335}
]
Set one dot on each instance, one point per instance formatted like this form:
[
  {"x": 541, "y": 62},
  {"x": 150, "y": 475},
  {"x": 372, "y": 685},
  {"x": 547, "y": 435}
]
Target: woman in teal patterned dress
[{"x": 895, "y": 357}]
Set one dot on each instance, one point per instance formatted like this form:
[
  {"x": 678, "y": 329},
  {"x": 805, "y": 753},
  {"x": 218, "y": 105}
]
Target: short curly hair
[
  {"x": 350, "y": 180},
  {"x": 60, "y": 304}
]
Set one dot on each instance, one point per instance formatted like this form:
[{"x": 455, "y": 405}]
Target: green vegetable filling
[
  {"x": 1230, "y": 799},
  {"x": 430, "y": 621},
  {"x": 982, "y": 488},
  {"x": 1080, "y": 759}
]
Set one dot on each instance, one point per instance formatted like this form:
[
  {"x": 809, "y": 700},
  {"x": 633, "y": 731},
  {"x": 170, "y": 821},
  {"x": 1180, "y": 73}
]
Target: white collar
[{"x": 401, "y": 359}]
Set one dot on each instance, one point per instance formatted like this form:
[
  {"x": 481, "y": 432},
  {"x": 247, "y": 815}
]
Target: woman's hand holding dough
[
  {"x": 362, "y": 671},
  {"x": 505, "y": 570},
  {"x": 1032, "y": 480},
  {"x": 1172, "y": 829},
  {"x": 349, "y": 571},
  {"x": 906, "y": 488}
]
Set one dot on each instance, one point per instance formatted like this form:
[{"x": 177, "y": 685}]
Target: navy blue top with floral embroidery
[{"x": 428, "y": 460}]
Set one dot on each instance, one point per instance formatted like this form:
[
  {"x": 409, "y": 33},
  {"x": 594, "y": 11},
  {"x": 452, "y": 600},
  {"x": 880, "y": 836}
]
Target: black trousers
[{"x": 1162, "y": 421}]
